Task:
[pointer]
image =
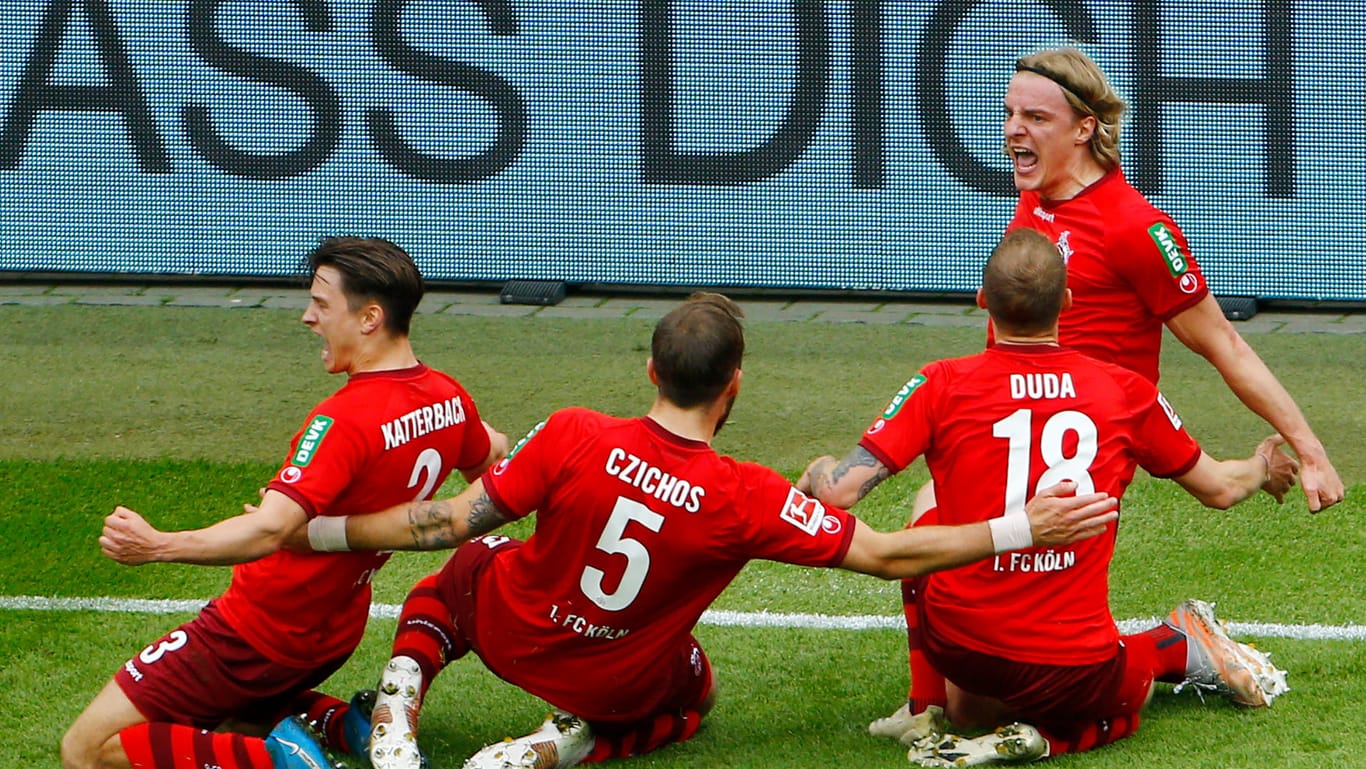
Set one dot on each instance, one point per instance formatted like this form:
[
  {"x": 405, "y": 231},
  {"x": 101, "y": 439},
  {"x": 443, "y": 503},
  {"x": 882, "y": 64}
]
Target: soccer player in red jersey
[
  {"x": 1130, "y": 270},
  {"x": 289, "y": 619},
  {"x": 1128, "y": 265},
  {"x": 640, "y": 524},
  {"x": 1028, "y": 635}
]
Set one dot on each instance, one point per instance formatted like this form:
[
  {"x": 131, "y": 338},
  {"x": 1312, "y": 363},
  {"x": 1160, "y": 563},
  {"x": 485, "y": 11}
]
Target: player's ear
[
  {"x": 650, "y": 371},
  {"x": 371, "y": 318},
  {"x": 733, "y": 389},
  {"x": 981, "y": 298},
  {"x": 1066, "y": 298},
  {"x": 1086, "y": 128}
]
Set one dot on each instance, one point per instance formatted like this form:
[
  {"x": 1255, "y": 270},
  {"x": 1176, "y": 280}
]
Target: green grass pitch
[{"x": 183, "y": 413}]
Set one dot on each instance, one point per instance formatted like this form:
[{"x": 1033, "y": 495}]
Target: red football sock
[
  {"x": 648, "y": 735},
  {"x": 327, "y": 714},
  {"x": 927, "y": 685},
  {"x": 1165, "y": 647},
  {"x": 175, "y": 746},
  {"x": 427, "y": 633},
  {"x": 1093, "y": 735}
]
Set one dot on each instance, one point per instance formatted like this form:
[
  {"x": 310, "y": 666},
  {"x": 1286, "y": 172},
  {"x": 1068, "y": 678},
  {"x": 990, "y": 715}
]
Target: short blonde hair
[{"x": 1088, "y": 92}]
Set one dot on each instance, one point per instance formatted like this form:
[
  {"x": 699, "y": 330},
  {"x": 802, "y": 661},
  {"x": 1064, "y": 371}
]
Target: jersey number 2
[
  {"x": 429, "y": 464},
  {"x": 615, "y": 541}
]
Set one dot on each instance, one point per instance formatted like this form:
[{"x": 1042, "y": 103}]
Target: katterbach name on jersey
[
  {"x": 419, "y": 422},
  {"x": 631, "y": 469}
]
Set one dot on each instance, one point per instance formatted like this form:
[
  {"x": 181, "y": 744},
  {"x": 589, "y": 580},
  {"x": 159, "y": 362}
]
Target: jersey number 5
[
  {"x": 615, "y": 541},
  {"x": 1018, "y": 428}
]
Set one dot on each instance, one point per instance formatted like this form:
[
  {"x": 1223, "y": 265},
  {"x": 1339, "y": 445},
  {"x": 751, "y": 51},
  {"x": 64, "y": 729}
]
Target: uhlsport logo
[
  {"x": 311, "y": 440},
  {"x": 901, "y": 395},
  {"x": 1177, "y": 262}
]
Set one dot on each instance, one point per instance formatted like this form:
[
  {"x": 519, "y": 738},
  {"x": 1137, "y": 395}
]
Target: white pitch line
[{"x": 715, "y": 617}]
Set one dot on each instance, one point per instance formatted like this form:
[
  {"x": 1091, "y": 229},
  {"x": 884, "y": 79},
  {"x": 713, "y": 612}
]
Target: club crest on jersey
[
  {"x": 1064, "y": 246},
  {"x": 901, "y": 395},
  {"x": 804, "y": 512},
  {"x": 311, "y": 440},
  {"x": 1177, "y": 263}
]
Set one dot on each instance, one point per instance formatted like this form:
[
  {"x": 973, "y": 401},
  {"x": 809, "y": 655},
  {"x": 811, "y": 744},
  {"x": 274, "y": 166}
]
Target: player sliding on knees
[
  {"x": 1028, "y": 636},
  {"x": 640, "y": 525}
]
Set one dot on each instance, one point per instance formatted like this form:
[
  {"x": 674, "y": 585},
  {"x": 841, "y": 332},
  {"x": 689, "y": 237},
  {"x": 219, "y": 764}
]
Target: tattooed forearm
[
  {"x": 858, "y": 458},
  {"x": 881, "y": 475},
  {"x": 430, "y": 522},
  {"x": 483, "y": 517}
]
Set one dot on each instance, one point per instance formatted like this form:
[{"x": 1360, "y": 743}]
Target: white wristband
[
  {"x": 327, "y": 534},
  {"x": 1010, "y": 532}
]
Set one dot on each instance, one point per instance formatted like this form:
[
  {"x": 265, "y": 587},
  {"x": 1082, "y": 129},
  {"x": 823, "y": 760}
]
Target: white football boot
[
  {"x": 907, "y": 728},
  {"x": 393, "y": 723},
  {"x": 562, "y": 741},
  {"x": 1217, "y": 663},
  {"x": 1011, "y": 744}
]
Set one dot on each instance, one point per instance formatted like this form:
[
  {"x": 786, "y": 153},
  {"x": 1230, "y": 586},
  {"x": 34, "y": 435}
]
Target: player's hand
[
  {"x": 1060, "y": 516},
  {"x": 1281, "y": 468},
  {"x": 128, "y": 538},
  {"x": 818, "y": 467},
  {"x": 498, "y": 442},
  {"x": 1319, "y": 479}
]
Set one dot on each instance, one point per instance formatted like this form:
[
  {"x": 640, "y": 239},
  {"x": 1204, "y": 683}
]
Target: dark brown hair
[
  {"x": 373, "y": 270},
  {"x": 697, "y": 348}
]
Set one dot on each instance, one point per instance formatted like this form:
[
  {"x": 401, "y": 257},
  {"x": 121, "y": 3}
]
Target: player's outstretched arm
[
  {"x": 843, "y": 482},
  {"x": 129, "y": 539},
  {"x": 1056, "y": 516},
  {"x": 1204, "y": 329},
  {"x": 1223, "y": 484},
  {"x": 424, "y": 525}
]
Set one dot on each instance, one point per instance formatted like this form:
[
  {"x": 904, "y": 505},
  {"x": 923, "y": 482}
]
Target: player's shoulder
[
  {"x": 943, "y": 372},
  {"x": 580, "y": 422},
  {"x": 1134, "y": 385},
  {"x": 1128, "y": 209}
]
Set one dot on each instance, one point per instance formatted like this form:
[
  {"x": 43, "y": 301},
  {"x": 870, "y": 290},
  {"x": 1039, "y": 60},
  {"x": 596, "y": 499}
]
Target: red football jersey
[
  {"x": 997, "y": 427},
  {"x": 1128, "y": 266},
  {"x": 384, "y": 438},
  {"x": 637, "y": 532}
]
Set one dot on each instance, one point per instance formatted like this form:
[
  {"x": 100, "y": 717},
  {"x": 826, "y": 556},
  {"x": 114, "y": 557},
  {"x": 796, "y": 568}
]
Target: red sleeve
[
  {"x": 902, "y": 431},
  {"x": 521, "y": 482},
  {"x": 1156, "y": 261},
  {"x": 780, "y": 523},
  {"x": 1162, "y": 445},
  {"x": 324, "y": 458}
]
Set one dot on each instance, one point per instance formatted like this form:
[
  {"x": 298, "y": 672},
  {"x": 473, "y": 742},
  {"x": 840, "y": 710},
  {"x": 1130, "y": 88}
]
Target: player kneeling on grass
[
  {"x": 206, "y": 693},
  {"x": 640, "y": 525},
  {"x": 1029, "y": 635}
]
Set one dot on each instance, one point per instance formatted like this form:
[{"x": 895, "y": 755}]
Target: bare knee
[
  {"x": 80, "y": 752},
  {"x": 92, "y": 741}
]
